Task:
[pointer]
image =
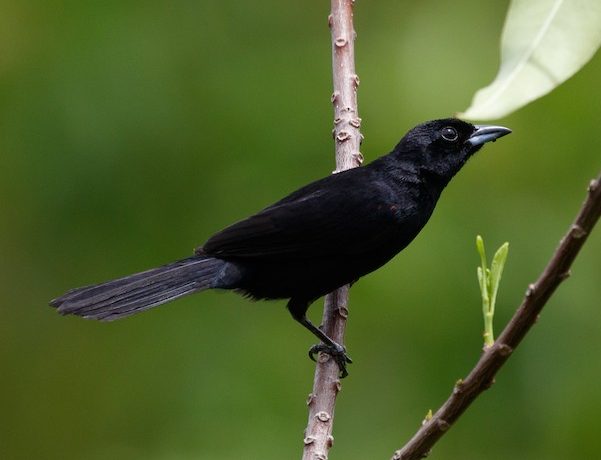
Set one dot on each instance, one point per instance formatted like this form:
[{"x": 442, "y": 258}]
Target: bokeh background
[{"x": 132, "y": 130}]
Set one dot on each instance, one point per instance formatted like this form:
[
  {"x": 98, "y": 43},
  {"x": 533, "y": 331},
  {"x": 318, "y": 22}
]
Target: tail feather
[{"x": 135, "y": 293}]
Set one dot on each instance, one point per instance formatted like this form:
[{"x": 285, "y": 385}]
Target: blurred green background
[{"x": 132, "y": 130}]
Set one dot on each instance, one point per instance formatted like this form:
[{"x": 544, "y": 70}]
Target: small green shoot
[
  {"x": 428, "y": 417},
  {"x": 489, "y": 279}
]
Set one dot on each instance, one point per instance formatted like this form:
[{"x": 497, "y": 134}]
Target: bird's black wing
[{"x": 343, "y": 214}]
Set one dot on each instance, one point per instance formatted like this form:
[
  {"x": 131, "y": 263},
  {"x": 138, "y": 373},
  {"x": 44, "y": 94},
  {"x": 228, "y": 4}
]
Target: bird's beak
[{"x": 484, "y": 133}]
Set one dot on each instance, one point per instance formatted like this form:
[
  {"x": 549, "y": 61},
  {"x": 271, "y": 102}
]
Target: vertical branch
[
  {"x": 344, "y": 98},
  {"x": 347, "y": 137}
]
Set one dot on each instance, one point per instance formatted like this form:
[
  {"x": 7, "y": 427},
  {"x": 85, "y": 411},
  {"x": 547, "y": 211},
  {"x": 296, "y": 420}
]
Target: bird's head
[{"x": 439, "y": 148}]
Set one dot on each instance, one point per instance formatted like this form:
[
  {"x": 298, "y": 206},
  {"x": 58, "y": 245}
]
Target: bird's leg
[{"x": 332, "y": 348}]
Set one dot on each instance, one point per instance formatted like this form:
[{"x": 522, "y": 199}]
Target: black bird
[{"x": 317, "y": 239}]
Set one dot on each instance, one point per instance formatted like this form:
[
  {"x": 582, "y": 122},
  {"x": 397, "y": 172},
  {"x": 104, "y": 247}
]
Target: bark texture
[{"x": 318, "y": 435}]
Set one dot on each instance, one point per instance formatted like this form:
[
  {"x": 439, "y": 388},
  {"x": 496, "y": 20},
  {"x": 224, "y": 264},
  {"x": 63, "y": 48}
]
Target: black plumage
[{"x": 324, "y": 235}]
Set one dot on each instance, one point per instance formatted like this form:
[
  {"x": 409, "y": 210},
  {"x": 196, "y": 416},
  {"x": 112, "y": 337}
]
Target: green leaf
[
  {"x": 482, "y": 270},
  {"x": 544, "y": 42},
  {"x": 489, "y": 280},
  {"x": 483, "y": 289},
  {"x": 496, "y": 270}
]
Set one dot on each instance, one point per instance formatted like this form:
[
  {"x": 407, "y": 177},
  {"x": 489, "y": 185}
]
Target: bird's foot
[{"x": 338, "y": 354}]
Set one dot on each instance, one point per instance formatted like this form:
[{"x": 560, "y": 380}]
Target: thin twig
[
  {"x": 482, "y": 375},
  {"x": 326, "y": 385}
]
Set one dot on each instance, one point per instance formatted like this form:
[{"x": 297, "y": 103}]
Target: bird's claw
[{"x": 338, "y": 354}]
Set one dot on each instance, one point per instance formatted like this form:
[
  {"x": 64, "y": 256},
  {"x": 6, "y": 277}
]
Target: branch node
[
  {"x": 356, "y": 81},
  {"x": 577, "y": 231},
  {"x": 428, "y": 417},
  {"x": 488, "y": 383},
  {"x": 565, "y": 275},
  {"x": 337, "y": 120},
  {"x": 343, "y": 136},
  {"x": 310, "y": 399},
  {"x": 592, "y": 186},
  {"x": 323, "y": 357},
  {"x": 330, "y": 20},
  {"x": 323, "y": 416},
  {"x": 398, "y": 455},
  {"x": 308, "y": 440},
  {"x": 442, "y": 425},
  {"x": 504, "y": 349},
  {"x": 340, "y": 42},
  {"x": 354, "y": 122},
  {"x": 321, "y": 456},
  {"x": 335, "y": 96},
  {"x": 530, "y": 290},
  {"x": 459, "y": 387},
  {"x": 337, "y": 385},
  {"x": 330, "y": 441},
  {"x": 342, "y": 311},
  {"x": 358, "y": 157}
]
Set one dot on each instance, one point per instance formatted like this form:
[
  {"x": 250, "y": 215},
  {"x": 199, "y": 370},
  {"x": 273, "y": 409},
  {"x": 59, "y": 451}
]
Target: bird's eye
[{"x": 449, "y": 134}]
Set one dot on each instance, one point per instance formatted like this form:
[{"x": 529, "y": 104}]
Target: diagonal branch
[
  {"x": 326, "y": 384},
  {"x": 482, "y": 375}
]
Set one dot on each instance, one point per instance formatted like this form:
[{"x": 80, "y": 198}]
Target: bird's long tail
[{"x": 141, "y": 291}]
